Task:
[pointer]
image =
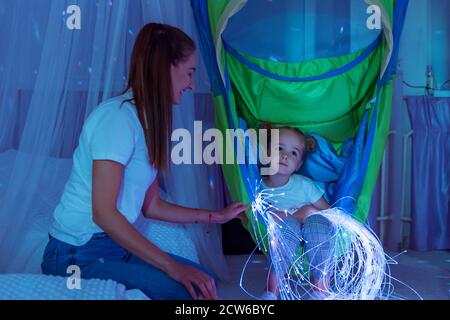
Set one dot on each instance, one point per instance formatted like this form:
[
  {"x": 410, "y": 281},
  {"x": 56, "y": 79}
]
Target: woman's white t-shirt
[
  {"x": 298, "y": 192},
  {"x": 111, "y": 132}
]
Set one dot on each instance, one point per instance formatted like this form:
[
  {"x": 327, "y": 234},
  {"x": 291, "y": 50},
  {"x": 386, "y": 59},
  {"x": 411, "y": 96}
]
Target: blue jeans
[{"x": 103, "y": 258}]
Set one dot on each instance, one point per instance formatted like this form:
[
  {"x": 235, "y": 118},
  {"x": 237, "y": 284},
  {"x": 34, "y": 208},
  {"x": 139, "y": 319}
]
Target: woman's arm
[
  {"x": 156, "y": 208},
  {"x": 106, "y": 180}
]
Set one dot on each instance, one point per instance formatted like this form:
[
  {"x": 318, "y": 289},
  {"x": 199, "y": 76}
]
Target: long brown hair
[{"x": 157, "y": 47}]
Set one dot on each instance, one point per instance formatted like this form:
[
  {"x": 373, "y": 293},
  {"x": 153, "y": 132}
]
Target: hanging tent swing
[{"x": 323, "y": 66}]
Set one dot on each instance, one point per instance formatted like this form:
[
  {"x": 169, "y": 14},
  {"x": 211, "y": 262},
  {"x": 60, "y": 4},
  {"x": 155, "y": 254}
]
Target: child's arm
[
  {"x": 308, "y": 210},
  {"x": 304, "y": 212},
  {"x": 321, "y": 204},
  {"x": 280, "y": 214}
]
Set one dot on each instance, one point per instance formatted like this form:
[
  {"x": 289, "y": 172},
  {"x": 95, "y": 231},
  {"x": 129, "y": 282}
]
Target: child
[{"x": 300, "y": 197}]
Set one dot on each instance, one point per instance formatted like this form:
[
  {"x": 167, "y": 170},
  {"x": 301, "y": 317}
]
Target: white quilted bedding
[{"x": 45, "y": 287}]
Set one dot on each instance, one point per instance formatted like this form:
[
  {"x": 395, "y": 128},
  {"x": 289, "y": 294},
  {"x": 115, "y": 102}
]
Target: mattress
[{"x": 47, "y": 287}]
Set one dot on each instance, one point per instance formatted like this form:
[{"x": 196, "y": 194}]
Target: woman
[{"x": 123, "y": 144}]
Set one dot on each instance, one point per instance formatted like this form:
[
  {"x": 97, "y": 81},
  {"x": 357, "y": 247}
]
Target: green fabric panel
[
  {"x": 387, "y": 5},
  {"x": 358, "y": 83},
  {"x": 381, "y": 133},
  {"x": 331, "y": 107},
  {"x": 232, "y": 172},
  {"x": 376, "y": 156},
  {"x": 215, "y": 10}
]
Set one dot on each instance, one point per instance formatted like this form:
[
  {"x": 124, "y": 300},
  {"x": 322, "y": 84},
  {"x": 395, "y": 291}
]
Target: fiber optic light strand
[{"x": 356, "y": 269}]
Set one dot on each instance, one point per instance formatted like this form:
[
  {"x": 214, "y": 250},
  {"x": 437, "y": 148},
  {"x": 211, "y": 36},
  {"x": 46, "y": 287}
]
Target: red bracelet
[{"x": 209, "y": 222}]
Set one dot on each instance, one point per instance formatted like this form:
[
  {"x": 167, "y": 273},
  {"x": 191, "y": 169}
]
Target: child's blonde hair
[{"x": 310, "y": 142}]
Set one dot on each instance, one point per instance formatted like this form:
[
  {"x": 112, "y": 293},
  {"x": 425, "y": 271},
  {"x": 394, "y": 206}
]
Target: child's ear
[{"x": 310, "y": 144}]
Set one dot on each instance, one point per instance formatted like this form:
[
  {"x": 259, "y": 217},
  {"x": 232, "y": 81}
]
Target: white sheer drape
[{"x": 51, "y": 78}]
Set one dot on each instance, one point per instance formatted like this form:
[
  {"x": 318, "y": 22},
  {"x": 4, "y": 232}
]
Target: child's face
[{"x": 291, "y": 148}]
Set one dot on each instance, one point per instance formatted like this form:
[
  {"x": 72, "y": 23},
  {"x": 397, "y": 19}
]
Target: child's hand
[
  {"x": 230, "y": 212},
  {"x": 306, "y": 211},
  {"x": 281, "y": 214}
]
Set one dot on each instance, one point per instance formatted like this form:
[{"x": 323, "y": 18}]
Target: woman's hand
[
  {"x": 228, "y": 213},
  {"x": 190, "y": 276}
]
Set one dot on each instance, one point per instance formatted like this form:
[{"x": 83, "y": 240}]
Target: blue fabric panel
[
  {"x": 200, "y": 11},
  {"x": 344, "y": 195},
  {"x": 399, "y": 18}
]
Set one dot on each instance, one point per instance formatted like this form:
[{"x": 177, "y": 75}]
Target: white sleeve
[
  {"x": 113, "y": 138},
  {"x": 314, "y": 191}
]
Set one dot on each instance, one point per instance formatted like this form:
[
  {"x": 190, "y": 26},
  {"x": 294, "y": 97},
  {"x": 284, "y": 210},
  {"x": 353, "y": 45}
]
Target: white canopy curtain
[{"x": 51, "y": 78}]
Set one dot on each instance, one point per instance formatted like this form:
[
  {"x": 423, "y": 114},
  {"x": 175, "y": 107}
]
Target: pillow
[{"x": 324, "y": 165}]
